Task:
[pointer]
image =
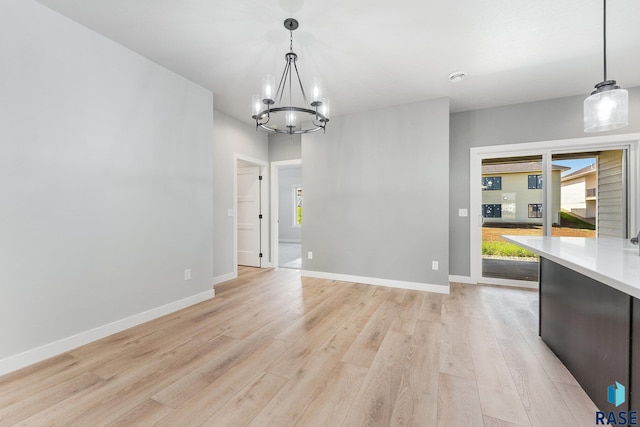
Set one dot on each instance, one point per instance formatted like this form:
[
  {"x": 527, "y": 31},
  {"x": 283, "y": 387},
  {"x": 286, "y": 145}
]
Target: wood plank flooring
[{"x": 274, "y": 349}]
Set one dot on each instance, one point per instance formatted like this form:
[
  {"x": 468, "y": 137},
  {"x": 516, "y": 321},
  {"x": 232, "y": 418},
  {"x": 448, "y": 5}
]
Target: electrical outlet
[
  {"x": 463, "y": 212},
  {"x": 187, "y": 274},
  {"x": 434, "y": 265},
  {"x": 309, "y": 255}
]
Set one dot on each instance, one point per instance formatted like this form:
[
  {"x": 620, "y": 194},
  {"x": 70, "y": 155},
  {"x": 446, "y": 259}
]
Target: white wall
[
  {"x": 376, "y": 195},
  {"x": 284, "y": 147},
  {"x": 105, "y": 182},
  {"x": 231, "y": 136}
]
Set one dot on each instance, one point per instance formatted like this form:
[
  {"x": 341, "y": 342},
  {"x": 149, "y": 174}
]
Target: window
[
  {"x": 535, "y": 210},
  {"x": 492, "y": 211},
  {"x": 491, "y": 183},
  {"x": 535, "y": 182},
  {"x": 297, "y": 206}
]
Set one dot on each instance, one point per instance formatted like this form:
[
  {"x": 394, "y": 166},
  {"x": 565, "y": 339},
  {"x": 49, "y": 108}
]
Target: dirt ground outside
[{"x": 492, "y": 233}]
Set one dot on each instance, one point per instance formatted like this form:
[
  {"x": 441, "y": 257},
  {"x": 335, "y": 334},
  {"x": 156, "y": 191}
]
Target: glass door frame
[{"x": 630, "y": 142}]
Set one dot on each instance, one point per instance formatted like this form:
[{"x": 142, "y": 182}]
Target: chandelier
[
  {"x": 608, "y": 106},
  {"x": 287, "y": 109}
]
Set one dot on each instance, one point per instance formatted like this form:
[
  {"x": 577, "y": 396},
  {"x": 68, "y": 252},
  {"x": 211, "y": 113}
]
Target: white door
[{"x": 249, "y": 216}]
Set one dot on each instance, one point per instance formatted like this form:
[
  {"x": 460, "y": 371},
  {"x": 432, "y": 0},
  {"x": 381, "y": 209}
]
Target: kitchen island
[{"x": 590, "y": 311}]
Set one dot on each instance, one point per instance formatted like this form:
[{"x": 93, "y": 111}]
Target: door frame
[
  {"x": 275, "y": 198},
  {"x": 264, "y": 207},
  {"x": 631, "y": 142}
]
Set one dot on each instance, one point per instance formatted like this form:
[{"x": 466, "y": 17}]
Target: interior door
[{"x": 249, "y": 216}]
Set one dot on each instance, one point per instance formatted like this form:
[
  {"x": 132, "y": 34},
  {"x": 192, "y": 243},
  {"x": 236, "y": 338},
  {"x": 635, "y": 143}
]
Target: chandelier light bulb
[
  {"x": 257, "y": 104},
  {"x": 325, "y": 108},
  {"x": 268, "y": 84},
  {"x": 291, "y": 119},
  {"x": 316, "y": 92}
]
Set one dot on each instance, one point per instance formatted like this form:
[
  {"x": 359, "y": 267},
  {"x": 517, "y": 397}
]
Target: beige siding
[
  {"x": 573, "y": 196},
  {"x": 515, "y": 197},
  {"x": 611, "y": 197}
]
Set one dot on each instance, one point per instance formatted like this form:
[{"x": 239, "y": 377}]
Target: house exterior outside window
[
  {"x": 492, "y": 211},
  {"x": 535, "y": 182},
  {"x": 535, "y": 210},
  {"x": 520, "y": 187},
  {"x": 297, "y": 214},
  {"x": 491, "y": 183}
]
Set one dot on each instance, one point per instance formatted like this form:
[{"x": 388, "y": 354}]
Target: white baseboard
[
  {"x": 416, "y": 286},
  {"x": 225, "y": 277},
  {"x": 29, "y": 357},
  {"x": 508, "y": 282},
  {"x": 289, "y": 241},
  {"x": 462, "y": 279}
]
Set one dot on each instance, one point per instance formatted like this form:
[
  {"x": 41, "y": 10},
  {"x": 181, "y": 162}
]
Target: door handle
[{"x": 480, "y": 220}]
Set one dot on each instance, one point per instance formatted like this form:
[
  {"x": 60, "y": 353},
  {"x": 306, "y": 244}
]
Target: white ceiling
[{"x": 372, "y": 54}]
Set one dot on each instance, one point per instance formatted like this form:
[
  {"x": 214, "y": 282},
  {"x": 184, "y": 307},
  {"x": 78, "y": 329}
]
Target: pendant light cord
[{"x": 604, "y": 39}]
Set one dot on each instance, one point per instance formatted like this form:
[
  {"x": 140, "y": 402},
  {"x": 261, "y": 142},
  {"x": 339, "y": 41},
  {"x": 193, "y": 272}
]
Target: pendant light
[{"x": 608, "y": 106}]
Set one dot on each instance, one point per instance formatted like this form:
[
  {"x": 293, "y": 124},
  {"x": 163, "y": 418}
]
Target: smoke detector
[{"x": 457, "y": 77}]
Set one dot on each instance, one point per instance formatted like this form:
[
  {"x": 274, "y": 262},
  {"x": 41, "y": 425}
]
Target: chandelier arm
[
  {"x": 261, "y": 115},
  {"x": 290, "y": 80},
  {"x": 295, "y": 132},
  {"x": 304, "y": 95},
  {"x": 283, "y": 82},
  {"x": 268, "y": 120}
]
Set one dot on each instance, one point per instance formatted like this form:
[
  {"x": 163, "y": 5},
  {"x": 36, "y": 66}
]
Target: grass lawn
[
  {"x": 576, "y": 222},
  {"x": 496, "y": 246},
  {"x": 506, "y": 249}
]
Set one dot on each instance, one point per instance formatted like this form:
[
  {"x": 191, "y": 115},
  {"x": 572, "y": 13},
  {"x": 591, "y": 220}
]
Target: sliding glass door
[
  {"x": 573, "y": 193},
  {"x": 512, "y": 203}
]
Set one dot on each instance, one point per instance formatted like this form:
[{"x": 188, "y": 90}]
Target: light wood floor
[{"x": 272, "y": 349}]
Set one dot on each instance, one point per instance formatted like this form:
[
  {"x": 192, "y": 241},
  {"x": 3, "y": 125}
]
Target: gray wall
[
  {"x": 105, "y": 181},
  {"x": 288, "y": 177},
  {"x": 231, "y": 136},
  {"x": 376, "y": 194},
  {"x": 284, "y": 147},
  {"x": 535, "y": 121}
]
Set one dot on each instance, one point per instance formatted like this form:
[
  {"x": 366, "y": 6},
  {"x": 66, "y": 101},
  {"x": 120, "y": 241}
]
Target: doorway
[
  {"x": 250, "y": 212},
  {"x": 287, "y": 213},
  {"x": 510, "y": 195},
  {"x": 249, "y": 215}
]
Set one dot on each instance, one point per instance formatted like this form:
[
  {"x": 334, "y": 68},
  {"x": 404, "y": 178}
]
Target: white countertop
[{"x": 614, "y": 262}]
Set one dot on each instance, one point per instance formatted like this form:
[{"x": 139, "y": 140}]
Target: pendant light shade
[
  {"x": 608, "y": 106},
  {"x": 607, "y": 109}
]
